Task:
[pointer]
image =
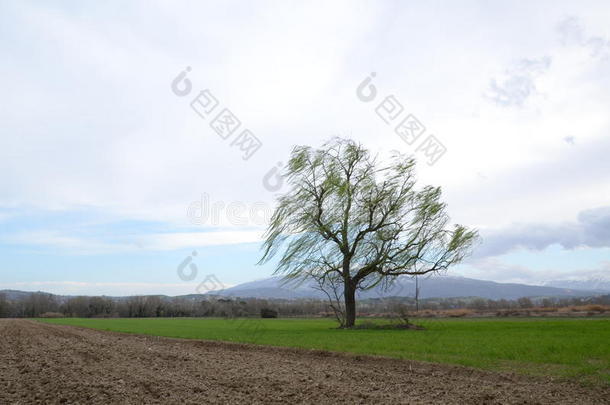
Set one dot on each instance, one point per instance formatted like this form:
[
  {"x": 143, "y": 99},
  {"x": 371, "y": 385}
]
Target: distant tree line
[{"x": 43, "y": 304}]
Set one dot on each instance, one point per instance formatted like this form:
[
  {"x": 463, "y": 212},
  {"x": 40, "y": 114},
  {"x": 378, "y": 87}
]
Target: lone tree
[{"x": 348, "y": 220}]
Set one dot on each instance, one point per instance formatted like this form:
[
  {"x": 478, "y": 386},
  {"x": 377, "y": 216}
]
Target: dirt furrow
[{"x": 41, "y": 363}]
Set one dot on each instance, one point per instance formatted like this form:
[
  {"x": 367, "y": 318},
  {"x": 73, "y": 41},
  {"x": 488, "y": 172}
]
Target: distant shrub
[
  {"x": 545, "y": 309},
  {"x": 268, "y": 313},
  {"x": 458, "y": 313},
  {"x": 52, "y": 315},
  {"x": 592, "y": 308},
  {"x": 326, "y": 314}
]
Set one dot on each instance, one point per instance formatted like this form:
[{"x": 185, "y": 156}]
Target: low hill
[{"x": 430, "y": 287}]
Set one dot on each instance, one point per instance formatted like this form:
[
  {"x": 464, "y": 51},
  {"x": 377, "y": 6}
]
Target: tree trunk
[
  {"x": 416, "y": 294},
  {"x": 349, "y": 293}
]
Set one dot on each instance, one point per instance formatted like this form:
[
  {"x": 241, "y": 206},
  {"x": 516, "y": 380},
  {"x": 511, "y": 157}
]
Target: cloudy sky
[{"x": 113, "y": 171}]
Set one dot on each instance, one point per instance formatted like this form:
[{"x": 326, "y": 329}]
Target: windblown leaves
[{"x": 347, "y": 216}]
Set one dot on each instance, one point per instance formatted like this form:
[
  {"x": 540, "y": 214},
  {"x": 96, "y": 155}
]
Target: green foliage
[{"x": 349, "y": 220}]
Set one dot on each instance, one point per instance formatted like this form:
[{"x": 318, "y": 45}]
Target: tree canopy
[{"x": 348, "y": 219}]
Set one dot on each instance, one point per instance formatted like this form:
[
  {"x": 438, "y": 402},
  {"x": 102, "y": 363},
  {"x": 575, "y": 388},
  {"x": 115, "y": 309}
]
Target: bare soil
[{"x": 42, "y": 363}]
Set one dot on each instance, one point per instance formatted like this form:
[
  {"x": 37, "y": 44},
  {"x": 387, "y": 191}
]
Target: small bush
[
  {"x": 458, "y": 313},
  {"x": 52, "y": 315},
  {"x": 268, "y": 313},
  {"x": 545, "y": 309},
  {"x": 592, "y": 308}
]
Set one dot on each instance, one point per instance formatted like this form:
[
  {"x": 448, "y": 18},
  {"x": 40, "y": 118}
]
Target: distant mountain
[
  {"x": 16, "y": 295},
  {"x": 271, "y": 288},
  {"x": 430, "y": 287},
  {"x": 599, "y": 283}
]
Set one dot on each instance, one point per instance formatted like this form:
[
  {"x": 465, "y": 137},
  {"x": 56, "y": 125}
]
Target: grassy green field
[{"x": 573, "y": 348}]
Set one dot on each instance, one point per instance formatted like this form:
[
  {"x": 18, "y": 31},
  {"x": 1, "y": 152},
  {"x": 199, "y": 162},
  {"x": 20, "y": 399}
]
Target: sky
[{"x": 120, "y": 175}]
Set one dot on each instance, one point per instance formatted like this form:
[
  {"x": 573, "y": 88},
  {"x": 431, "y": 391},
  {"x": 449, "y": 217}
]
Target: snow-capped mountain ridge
[{"x": 596, "y": 283}]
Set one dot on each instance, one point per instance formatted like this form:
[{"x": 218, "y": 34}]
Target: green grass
[{"x": 573, "y": 348}]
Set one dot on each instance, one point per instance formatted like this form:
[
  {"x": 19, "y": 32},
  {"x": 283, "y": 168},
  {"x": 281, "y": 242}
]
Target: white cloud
[
  {"x": 591, "y": 230},
  {"x": 172, "y": 241},
  {"x": 150, "y": 242},
  {"x": 518, "y": 83},
  {"x": 496, "y": 269},
  {"x": 88, "y": 120},
  {"x": 108, "y": 133},
  {"x": 112, "y": 289}
]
